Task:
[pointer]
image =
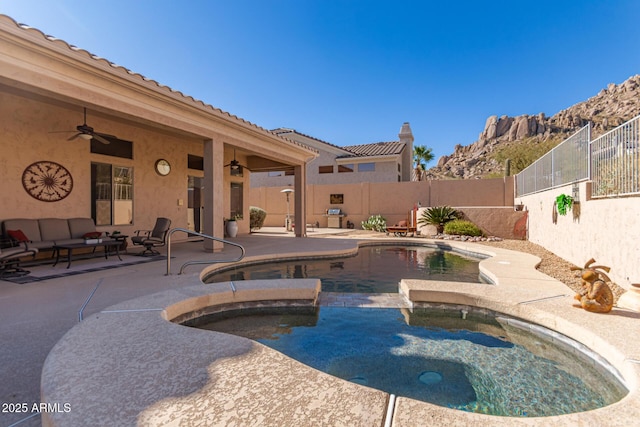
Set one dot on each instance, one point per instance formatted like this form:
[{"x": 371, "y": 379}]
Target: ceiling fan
[
  {"x": 236, "y": 167},
  {"x": 86, "y": 132}
]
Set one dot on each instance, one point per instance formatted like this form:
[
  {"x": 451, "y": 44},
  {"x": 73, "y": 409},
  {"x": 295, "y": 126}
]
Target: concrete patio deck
[{"x": 37, "y": 315}]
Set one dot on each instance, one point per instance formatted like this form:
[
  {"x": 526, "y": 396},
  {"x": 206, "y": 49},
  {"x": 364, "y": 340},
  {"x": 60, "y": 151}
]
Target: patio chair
[
  {"x": 152, "y": 239},
  {"x": 10, "y": 260}
]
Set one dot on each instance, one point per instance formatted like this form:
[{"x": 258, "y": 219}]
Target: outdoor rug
[{"x": 42, "y": 272}]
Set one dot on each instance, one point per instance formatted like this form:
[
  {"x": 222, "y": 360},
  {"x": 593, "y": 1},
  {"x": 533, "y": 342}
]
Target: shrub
[
  {"x": 256, "y": 218},
  {"x": 525, "y": 152},
  {"x": 462, "y": 228},
  {"x": 375, "y": 223},
  {"x": 438, "y": 216}
]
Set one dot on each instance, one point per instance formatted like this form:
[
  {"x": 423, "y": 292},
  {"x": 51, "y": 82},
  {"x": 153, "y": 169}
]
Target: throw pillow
[{"x": 17, "y": 235}]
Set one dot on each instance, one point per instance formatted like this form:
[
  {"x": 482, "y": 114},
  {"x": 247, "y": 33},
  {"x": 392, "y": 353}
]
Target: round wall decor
[
  {"x": 163, "y": 167},
  {"x": 47, "y": 181}
]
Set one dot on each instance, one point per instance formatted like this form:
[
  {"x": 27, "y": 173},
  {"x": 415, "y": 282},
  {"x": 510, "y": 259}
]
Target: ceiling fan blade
[
  {"x": 101, "y": 139},
  {"x": 71, "y": 138}
]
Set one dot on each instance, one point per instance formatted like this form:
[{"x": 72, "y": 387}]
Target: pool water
[
  {"x": 375, "y": 269},
  {"x": 474, "y": 364}
]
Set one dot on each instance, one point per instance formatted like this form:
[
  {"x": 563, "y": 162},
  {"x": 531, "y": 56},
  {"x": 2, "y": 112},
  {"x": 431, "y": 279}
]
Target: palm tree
[{"x": 421, "y": 156}]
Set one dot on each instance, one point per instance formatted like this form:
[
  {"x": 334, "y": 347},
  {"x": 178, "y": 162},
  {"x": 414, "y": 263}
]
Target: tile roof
[
  {"x": 143, "y": 80},
  {"x": 391, "y": 148},
  {"x": 285, "y": 131},
  {"x": 377, "y": 149}
]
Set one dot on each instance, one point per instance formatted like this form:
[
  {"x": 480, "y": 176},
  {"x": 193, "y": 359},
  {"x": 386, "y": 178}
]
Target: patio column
[
  {"x": 300, "y": 211},
  {"x": 213, "y": 193}
]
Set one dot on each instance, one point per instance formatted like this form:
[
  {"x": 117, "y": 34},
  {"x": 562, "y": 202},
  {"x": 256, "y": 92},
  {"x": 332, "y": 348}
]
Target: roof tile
[
  {"x": 160, "y": 86},
  {"x": 377, "y": 149}
]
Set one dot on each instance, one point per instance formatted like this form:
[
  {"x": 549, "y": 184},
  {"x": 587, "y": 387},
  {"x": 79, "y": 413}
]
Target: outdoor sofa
[{"x": 45, "y": 233}]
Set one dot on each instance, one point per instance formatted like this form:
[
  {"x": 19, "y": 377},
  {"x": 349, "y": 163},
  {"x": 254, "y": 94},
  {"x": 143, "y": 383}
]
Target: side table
[{"x": 122, "y": 238}]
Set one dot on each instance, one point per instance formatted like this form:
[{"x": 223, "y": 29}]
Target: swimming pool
[
  {"x": 376, "y": 269},
  {"x": 476, "y": 364}
]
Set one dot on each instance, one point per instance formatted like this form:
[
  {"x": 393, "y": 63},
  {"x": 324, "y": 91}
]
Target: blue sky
[{"x": 351, "y": 72}]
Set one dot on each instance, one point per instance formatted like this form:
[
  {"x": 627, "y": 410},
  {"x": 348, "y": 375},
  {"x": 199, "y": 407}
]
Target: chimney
[{"x": 406, "y": 136}]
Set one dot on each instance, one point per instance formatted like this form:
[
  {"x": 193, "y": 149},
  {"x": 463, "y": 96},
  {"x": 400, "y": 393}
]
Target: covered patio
[{"x": 130, "y": 148}]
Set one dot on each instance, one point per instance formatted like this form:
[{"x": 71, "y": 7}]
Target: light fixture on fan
[{"x": 235, "y": 168}]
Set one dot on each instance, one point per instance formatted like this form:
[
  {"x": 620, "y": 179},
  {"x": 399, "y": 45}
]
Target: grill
[{"x": 334, "y": 217}]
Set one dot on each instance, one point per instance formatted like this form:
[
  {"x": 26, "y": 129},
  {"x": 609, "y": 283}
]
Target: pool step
[{"x": 382, "y": 300}]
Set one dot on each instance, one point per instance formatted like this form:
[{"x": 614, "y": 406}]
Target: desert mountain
[{"x": 525, "y": 138}]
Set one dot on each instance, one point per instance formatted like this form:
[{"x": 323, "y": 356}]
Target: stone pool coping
[{"x": 128, "y": 365}]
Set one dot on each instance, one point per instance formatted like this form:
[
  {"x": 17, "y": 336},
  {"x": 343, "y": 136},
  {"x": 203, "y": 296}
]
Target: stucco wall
[
  {"x": 606, "y": 230},
  {"x": 25, "y": 138},
  {"x": 393, "y": 200}
]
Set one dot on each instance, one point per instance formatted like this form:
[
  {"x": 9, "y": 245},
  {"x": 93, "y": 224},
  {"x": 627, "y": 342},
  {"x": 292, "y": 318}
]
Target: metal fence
[
  {"x": 615, "y": 161},
  {"x": 566, "y": 163},
  {"x": 611, "y": 162}
]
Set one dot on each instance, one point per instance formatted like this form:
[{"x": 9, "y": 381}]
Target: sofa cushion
[
  {"x": 78, "y": 227},
  {"x": 41, "y": 245},
  {"x": 29, "y": 227},
  {"x": 52, "y": 229}
]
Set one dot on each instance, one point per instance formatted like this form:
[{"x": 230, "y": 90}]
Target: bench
[{"x": 402, "y": 228}]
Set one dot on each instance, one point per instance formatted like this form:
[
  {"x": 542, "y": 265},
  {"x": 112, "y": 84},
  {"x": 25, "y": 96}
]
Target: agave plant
[
  {"x": 375, "y": 223},
  {"x": 438, "y": 216}
]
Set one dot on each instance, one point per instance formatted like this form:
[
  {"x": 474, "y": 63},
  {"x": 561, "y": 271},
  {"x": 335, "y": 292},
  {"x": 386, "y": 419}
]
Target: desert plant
[
  {"x": 256, "y": 218},
  {"x": 375, "y": 223},
  {"x": 462, "y": 228},
  {"x": 438, "y": 216}
]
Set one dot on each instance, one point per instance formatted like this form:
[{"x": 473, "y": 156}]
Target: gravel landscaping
[{"x": 551, "y": 264}]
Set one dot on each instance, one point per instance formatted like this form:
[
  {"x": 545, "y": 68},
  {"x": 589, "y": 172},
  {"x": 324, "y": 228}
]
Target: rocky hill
[{"x": 531, "y": 136}]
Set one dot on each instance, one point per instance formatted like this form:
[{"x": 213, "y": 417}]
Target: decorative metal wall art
[{"x": 47, "y": 181}]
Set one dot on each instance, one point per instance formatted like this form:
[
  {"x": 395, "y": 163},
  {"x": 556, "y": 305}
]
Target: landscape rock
[{"x": 610, "y": 108}]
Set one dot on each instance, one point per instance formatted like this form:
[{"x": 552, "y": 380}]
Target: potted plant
[
  {"x": 231, "y": 226},
  {"x": 563, "y": 203}
]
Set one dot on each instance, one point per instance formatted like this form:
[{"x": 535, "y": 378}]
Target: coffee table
[{"x": 71, "y": 246}]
